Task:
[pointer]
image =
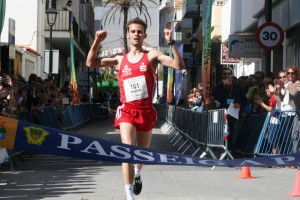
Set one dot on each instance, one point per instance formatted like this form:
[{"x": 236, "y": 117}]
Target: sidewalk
[{"x": 48, "y": 177}]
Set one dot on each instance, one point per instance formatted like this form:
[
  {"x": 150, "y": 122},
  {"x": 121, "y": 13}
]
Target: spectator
[
  {"x": 290, "y": 100},
  {"x": 227, "y": 93},
  {"x": 31, "y": 96},
  {"x": 197, "y": 101},
  {"x": 67, "y": 92},
  {"x": 5, "y": 96},
  {"x": 271, "y": 100},
  {"x": 274, "y": 121},
  {"x": 85, "y": 96},
  {"x": 277, "y": 90},
  {"x": 256, "y": 92}
]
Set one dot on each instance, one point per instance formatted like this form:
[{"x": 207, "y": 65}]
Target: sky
[{"x": 115, "y": 31}]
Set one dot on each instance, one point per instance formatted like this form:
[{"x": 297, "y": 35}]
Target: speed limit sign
[{"x": 269, "y": 36}]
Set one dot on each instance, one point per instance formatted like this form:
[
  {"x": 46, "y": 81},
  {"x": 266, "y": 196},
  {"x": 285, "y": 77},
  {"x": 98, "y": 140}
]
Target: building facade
[{"x": 26, "y": 30}]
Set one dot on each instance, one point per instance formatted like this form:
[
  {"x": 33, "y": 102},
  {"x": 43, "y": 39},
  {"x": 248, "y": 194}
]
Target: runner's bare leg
[
  {"x": 128, "y": 136},
  {"x": 143, "y": 139}
]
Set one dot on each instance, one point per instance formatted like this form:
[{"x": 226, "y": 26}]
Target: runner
[{"x": 136, "y": 116}]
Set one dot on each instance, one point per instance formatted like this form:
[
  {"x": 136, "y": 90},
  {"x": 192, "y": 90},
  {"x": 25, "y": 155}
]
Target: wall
[{"x": 27, "y": 27}]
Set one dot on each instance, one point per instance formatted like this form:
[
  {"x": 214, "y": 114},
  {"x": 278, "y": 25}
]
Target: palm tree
[{"x": 125, "y": 7}]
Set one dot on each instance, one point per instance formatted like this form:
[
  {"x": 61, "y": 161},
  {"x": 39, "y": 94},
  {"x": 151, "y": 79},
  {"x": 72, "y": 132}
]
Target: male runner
[{"x": 136, "y": 116}]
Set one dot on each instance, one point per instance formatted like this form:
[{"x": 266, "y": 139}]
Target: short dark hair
[
  {"x": 227, "y": 69},
  {"x": 32, "y": 77},
  {"x": 259, "y": 74},
  {"x": 136, "y": 20}
]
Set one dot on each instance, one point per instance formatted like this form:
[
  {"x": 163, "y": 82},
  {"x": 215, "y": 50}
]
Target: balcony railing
[{"x": 63, "y": 23}]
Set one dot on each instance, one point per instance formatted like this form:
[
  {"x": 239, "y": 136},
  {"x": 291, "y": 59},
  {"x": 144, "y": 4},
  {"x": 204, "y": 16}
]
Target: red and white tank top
[{"x": 137, "y": 82}]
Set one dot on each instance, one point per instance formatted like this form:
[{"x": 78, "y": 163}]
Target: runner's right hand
[{"x": 100, "y": 35}]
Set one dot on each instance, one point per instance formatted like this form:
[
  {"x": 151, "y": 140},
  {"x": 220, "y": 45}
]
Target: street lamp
[
  {"x": 194, "y": 42},
  {"x": 51, "y": 19}
]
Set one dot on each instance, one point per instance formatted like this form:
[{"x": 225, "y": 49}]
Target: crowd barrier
[
  {"x": 217, "y": 133},
  {"x": 249, "y": 132},
  {"x": 69, "y": 117},
  {"x": 194, "y": 132},
  {"x": 280, "y": 133},
  {"x": 206, "y": 133}
]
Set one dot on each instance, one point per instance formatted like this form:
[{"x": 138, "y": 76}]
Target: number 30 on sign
[{"x": 269, "y": 36}]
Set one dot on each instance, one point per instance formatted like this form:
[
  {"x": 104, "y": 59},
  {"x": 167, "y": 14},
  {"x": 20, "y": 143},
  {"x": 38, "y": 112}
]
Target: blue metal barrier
[
  {"x": 275, "y": 133},
  {"x": 52, "y": 117},
  {"x": 248, "y": 134},
  {"x": 65, "y": 118},
  {"x": 280, "y": 134}
]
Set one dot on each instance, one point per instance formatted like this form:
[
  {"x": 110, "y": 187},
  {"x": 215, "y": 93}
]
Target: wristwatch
[{"x": 171, "y": 43}]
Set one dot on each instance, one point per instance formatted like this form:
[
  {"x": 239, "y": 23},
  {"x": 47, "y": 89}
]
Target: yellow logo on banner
[
  {"x": 8, "y": 131},
  {"x": 35, "y": 135}
]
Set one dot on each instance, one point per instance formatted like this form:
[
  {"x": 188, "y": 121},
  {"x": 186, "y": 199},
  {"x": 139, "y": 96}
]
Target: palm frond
[
  {"x": 125, "y": 9},
  {"x": 107, "y": 14}
]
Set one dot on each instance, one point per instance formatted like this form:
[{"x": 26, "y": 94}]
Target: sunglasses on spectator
[
  {"x": 290, "y": 73},
  {"x": 282, "y": 76},
  {"x": 226, "y": 73}
]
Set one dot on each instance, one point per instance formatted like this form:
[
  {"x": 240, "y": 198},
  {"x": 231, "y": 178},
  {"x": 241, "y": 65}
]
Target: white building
[
  {"x": 32, "y": 34},
  {"x": 246, "y": 16}
]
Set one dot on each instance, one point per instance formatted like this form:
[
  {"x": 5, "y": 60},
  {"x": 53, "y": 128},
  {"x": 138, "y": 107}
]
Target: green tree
[{"x": 125, "y": 7}]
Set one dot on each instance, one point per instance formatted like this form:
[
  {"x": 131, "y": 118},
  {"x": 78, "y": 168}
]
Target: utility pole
[{"x": 268, "y": 17}]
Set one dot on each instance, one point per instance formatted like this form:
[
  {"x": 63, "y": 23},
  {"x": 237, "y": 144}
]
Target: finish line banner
[{"x": 30, "y": 137}]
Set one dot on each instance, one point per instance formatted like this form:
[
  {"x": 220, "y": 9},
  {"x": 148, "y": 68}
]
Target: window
[{"x": 178, "y": 36}]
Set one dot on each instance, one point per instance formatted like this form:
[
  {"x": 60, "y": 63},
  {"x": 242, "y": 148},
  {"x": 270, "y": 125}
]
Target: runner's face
[{"x": 136, "y": 34}]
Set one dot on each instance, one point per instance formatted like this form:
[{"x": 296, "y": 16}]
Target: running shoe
[{"x": 137, "y": 185}]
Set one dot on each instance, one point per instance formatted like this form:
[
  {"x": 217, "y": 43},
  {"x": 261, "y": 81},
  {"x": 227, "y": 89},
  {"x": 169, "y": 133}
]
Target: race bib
[
  {"x": 230, "y": 101},
  {"x": 135, "y": 88}
]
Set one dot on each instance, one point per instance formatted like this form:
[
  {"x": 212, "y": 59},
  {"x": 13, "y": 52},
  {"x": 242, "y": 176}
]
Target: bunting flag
[
  {"x": 24, "y": 136},
  {"x": 170, "y": 82},
  {"x": 75, "y": 93},
  {"x": 2, "y": 14},
  {"x": 206, "y": 55},
  {"x": 178, "y": 79}
]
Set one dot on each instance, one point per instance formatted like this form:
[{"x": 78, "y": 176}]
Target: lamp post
[
  {"x": 194, "y": 42},
  {"x": 51, "y": 19}
]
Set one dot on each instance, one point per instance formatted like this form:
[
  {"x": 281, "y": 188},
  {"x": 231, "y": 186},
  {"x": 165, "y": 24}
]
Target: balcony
[
  {"x": 192, "y": 8},
  {"x": 61, "y": 34}
]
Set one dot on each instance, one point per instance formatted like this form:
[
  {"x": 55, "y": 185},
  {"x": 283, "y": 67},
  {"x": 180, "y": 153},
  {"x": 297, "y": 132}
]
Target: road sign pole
[{"x": 268, "y": 17}]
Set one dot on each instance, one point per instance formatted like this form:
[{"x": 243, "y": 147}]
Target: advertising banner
[
  {"x": 225, "y": 60},
  {"x": 243, "y": 46},
  {"x": 24, "y": 136}
]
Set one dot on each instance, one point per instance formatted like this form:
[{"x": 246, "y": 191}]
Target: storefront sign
[{"x": 243, "y": 46}]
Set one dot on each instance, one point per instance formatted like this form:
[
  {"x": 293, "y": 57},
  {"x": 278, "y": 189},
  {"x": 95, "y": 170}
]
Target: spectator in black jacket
[{"x": 226, "y": 93}]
